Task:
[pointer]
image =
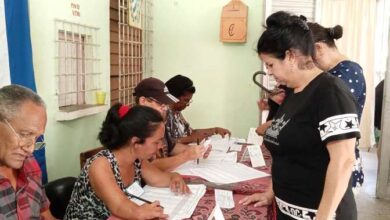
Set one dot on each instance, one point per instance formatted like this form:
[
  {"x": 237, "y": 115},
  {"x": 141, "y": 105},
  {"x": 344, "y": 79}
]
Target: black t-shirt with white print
[{"x": 306, "y": 121}]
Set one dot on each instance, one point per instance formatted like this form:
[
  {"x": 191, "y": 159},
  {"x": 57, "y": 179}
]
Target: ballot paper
[
  {"x": 219, "y": 157},
  {"x": 256, "y": 156},
  {"x": 253, "y": 137},
  {"x": 175, "y": 206},
  {"x": 224, "y": 198},
  {"x": 222, "y": 173},
  {"x": 216, "y": 214},
  {"x": 233, "y": 143}
]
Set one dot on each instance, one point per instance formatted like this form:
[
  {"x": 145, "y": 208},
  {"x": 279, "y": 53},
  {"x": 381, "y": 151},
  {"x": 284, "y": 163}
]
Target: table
[{"x": 240, "y": 190}]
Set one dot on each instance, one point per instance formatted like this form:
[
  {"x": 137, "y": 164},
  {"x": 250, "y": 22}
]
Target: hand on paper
[
  {"x": 178, "y": 185},
  {"x": 222, "y": 131},
  {"x": 260, "y": 199},
  {"x": 151, "y": 211},
  {"x": 194, "y": 152}
]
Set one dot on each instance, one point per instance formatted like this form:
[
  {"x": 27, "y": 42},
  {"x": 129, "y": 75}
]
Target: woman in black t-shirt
[{"x": 312, "y": 137}]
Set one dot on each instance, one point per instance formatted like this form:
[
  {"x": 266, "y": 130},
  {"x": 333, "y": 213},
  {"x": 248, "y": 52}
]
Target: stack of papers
[
  {"x": 175, "y": 206},
  {"x": 222, "y": 173}
]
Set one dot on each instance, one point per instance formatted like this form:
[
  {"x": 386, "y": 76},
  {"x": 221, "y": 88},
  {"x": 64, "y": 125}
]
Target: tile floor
[{"x": 369, "y": 207}]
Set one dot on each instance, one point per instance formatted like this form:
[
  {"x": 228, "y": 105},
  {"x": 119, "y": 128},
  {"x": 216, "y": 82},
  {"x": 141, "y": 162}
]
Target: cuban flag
[{"x": 16, "y": 60}]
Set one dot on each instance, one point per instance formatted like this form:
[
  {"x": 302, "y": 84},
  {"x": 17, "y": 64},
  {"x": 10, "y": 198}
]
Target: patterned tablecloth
[{"x": 240, "y": 190}]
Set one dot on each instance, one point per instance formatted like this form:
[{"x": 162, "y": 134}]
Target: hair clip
[{"x": 123, "y": 110}]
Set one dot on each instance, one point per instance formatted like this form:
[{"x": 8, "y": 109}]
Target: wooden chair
[{"x": 87, "y": 154}]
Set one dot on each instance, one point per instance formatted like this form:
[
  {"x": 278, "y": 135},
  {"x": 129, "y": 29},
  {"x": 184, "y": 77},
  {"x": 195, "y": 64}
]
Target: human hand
[
  {"x": 260, "y": 199},
  {"x": 194, "y": 152},
  {"x": 222, "y": 131},
  {"x": 263, "y": 128},
  {"x": 178, "y": 185},
  {"x": 262, "y": 104},
  {"x": 278, "y": 95},
  {"x": 151, "y": 211}
]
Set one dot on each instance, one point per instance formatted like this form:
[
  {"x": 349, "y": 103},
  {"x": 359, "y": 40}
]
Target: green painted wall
[
  {"x": 65, "y": 140},
  {"x": 186, "y": 41}
]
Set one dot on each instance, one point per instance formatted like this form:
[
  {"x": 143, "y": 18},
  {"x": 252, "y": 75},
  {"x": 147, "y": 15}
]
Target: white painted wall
[
  {"x": 186, "y": 41},
  {"x": 65, "y": 140}
]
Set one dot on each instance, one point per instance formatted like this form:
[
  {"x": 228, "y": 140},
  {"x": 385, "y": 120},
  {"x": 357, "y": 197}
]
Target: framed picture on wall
[{"x": 135, "y": 13}]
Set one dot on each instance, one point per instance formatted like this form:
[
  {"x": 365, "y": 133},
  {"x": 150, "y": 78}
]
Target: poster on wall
[{"x": 135, "y": 13}]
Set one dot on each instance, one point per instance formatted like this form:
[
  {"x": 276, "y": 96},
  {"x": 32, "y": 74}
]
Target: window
[
  {"x": 78, "y": 70},
  {"x": 131, "y": 48}
]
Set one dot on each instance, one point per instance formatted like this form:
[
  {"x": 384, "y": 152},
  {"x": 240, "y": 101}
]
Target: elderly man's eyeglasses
[{"x": 26, "y": 139}]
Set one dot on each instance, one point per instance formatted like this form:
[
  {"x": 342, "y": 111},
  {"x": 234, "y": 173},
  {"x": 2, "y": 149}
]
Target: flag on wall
[{"x": 16, "y": 63}]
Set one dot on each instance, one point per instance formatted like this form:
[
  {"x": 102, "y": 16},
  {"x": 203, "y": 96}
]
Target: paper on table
[
  {"x": 223, "y": 173},
  {"x": 236, "y": 147},
  {"x": 220, "y": 157},
  {"x": 176, "y": 206},
  {"x": 216, "y": 214},
  {"x": 224, "y": 198},
  {"x": 253, "y": 137},
  {"x": 256, "y": 156}
]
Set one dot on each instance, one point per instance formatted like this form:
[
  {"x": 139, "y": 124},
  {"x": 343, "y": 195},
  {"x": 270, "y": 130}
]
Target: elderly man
[
  {"x": 153, "y": 93},
  {"x": 22, "y": 121}
]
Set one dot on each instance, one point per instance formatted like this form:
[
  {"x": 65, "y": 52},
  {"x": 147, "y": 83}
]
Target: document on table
[
  {"x": 253, "y": 137},
  {"x": 224, "y": 198},
  {"x": 175, "y": 206},
  {"x": 256, "y": 156},
  {"x": 216, "y": 214},
  {"x": 222, "y": 173},
  {"x": 219, "y": 157}
]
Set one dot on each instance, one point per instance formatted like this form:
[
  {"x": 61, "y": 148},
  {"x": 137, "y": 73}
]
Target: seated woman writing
[
  {"x": 130, "y": 136},
  {"x": 177, "y": 127}
]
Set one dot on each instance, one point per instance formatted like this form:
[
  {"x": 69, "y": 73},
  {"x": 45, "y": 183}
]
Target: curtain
[{"x": 357, "y": 17}]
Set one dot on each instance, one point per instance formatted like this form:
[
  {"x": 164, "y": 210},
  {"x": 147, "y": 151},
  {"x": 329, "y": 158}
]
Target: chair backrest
[
  {"x": 87, "y": 154},
  {"x": 59, "y": 192}
]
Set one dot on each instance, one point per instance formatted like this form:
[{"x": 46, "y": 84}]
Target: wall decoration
[
  {"x": 135, "y": 13},
  {"x": 234, "y": 22}
]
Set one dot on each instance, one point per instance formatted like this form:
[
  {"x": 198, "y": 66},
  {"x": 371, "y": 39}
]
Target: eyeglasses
[
  {"x": 162, "y": 105},
  {"x": 26, "y": 139}
]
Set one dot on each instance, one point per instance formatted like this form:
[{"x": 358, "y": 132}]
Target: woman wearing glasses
[{"x": 178, "y": 128}]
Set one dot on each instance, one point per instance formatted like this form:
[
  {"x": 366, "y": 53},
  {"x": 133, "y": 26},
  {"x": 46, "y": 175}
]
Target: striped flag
[{"x": 16, "y": 61}]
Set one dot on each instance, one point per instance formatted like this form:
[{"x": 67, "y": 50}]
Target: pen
[
  {"x": 242, "y": 143},
  {"x": 142, "y": 199},
  {"x": 197, "y": 143}
]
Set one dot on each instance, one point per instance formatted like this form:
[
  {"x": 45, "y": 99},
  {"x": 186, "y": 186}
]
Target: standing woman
[
  {"x": 328, "y": 58},
  {"x": 313, "y": 134},
  {"x": 130, "y": 136}
]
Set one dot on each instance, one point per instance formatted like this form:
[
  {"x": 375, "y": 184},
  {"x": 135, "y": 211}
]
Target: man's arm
[{"x": 46, "y": 215}]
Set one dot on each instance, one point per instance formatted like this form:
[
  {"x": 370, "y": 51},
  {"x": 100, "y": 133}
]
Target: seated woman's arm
[
  {"x": 342, "y": 158},
  {"x": 105, "y": 187},
  {"x": 155, "y": 177},
  {"x": 179, "y": 157},
  {"x": 200, "y": 134}
]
